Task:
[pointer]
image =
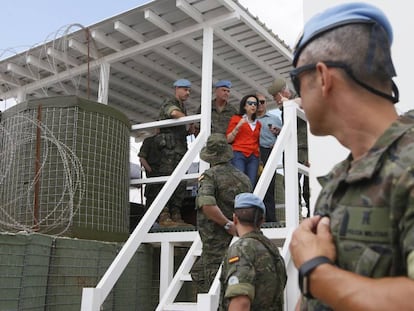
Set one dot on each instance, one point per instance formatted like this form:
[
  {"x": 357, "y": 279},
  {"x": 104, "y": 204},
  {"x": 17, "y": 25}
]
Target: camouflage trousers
[{"x": 205, "y": 268}]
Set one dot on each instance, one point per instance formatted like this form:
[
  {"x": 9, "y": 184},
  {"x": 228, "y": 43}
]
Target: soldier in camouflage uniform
[
  {"x": 150, "y": 156},
  {"x": 254, "y": 273},
  {"x": 173, "y": 145},
  {"x": 221, "y": 109},
  {"x": 358, "y": 253},
  {"x": 215, "y": 200}
]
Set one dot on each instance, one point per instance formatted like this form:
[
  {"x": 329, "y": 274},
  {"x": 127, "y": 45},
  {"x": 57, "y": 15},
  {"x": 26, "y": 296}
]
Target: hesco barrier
[
  {"x": 42, "y": 272},
  {"x": 65, "y": 169}
]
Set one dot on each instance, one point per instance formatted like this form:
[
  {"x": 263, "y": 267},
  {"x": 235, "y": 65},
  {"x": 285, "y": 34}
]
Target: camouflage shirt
[
  {"x": 218, "y": 186},
  {"x": 220, "y": 120},
  {"x": 150, "y": 151},
  {"x": 253, "y": 267},
  {"x": 179, "y": 132},
  {"x": 371, "y": 206}
]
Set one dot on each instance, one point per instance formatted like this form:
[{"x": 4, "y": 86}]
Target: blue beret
[
  {"x": 247, "y": 200},
  {"x": 223, "y": 83},
  {"x": 343, "y": 14},
  {"x": 182, "y": 83}
]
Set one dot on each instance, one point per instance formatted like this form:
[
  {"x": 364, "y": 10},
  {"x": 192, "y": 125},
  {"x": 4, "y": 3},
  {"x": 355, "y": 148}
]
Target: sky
[{"x": 32, "y": 22}]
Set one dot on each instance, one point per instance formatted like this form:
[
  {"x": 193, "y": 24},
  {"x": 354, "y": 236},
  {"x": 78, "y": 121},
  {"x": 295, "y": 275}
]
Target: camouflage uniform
[
  {"x": 220, "y": 120},
  {"x": 173, "y": 145},
  {"x": 218, "y": 186},
  {"x": 253, "y": 267},
  {"x": 371, "y": 206},
  {"x": 150, "y": 151}
]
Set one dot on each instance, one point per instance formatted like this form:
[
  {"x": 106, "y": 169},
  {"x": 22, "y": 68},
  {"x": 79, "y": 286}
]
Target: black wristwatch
[
  {"x": 227, "y": 226},
  {"x": 305, "y": 270}
]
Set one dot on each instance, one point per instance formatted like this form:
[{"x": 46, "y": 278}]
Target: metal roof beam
[
  {"x": 242, "y": 49},
  {"x": 158, "y": 21},
  {"x": 106, "y": 40},
  {"x": 129, "y": 32},
  {"x": 83, "y": 48},
  {"x": 63, "y": 57},
  {"x": 190, "y": 10},
  {"x": 9, "y": 80},
  {"x": 21, "y": 71},
  {"x": 33, "y": 60},
  {"x": 142, "y": 78}
]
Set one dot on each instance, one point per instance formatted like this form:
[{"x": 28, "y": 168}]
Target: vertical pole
[
  {"x": 37, "y": 170},
  {"x": 103, "y": 91},
  {"x": 206, "y": 85}
]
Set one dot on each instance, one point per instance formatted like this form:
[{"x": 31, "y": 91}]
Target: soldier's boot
[
  {"x": 176, "y": 217},
  {"x": 165, "y": 220}
]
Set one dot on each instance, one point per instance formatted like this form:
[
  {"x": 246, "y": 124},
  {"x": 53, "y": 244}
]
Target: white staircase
[{"x": 171, "y": 284}]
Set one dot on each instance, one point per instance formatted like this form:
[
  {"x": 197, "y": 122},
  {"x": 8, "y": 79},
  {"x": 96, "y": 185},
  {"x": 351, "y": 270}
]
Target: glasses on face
[
  {"x": 262, "y": 102},
  {"x": 251, "y": 103},
  {"x": 295, "y": 73}
]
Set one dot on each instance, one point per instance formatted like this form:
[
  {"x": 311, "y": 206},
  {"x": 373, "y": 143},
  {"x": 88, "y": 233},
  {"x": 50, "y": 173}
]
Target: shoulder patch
[
  {"x": 233, "y": 280},
  {"x": 234, "y": 259},
  {"x": 201, "y": 177}
]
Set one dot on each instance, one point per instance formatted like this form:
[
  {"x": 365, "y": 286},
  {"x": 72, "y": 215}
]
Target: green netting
[
  {"x": 41, "y": 272},
  {"x": 80, "y": 150}
]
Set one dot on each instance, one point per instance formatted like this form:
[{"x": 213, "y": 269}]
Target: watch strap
[{"x": 304, "y": 271}]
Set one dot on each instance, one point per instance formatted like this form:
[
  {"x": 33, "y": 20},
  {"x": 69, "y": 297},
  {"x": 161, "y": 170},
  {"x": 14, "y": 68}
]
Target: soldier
[
  {"x": 254, "y": 273},
  {"x": 150, "y": 156},
  {"x": 215, "y": 200},
  {"x": 173, "y": 143},
  {"x": 358, "y": 252},
  {"x": 221, "y": 109},
  {"x": 281, "y": 92}
]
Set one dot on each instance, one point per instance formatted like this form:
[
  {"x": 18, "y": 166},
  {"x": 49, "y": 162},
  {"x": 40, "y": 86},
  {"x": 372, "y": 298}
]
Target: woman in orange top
[{"x": 243, "y": 133}]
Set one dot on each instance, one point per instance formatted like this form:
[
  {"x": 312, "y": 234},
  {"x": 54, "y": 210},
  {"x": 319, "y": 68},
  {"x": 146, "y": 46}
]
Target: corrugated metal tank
[{"x": 64, "y": 169}]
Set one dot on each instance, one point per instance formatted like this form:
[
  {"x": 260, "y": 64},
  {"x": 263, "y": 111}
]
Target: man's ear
[{"x": 235, "y": 219}]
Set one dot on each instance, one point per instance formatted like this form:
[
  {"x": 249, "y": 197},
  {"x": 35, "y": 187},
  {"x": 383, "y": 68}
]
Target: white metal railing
[{"x": 92, "y": 298}]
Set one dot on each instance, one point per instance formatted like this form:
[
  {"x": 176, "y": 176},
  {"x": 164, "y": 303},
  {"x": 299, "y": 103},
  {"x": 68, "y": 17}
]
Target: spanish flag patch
[{"x": 234, "y": 259}]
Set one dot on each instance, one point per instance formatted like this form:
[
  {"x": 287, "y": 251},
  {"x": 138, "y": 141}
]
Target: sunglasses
[
  {"x": 294, "y": 76},
  {"x": 251, "y": 103},
  {"x": 262, "y": 102},
  {"x": 295, "y": 73}
]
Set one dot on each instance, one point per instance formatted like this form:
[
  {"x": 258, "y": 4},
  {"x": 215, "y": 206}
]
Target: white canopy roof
[{"x": 143, "y": 51}]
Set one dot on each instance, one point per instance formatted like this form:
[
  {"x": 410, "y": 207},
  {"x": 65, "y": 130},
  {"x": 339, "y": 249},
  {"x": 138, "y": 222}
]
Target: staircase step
[
  {"x": 186, "y": 277},
  {"x": 181, "y": 306}
]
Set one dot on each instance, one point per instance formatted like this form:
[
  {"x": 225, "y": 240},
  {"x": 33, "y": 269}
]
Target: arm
[
  {"x": 341, "y": 289},
  {"x": 214, "y": 213},
  {"x": 175, "y": 114},
  {"x": 145, "y": 164},
  {"x": 232, "y": 130},
  {"x": 239, "y": 303}
]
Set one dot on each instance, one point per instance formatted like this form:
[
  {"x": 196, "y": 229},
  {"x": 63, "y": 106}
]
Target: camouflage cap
[
  {"x": 277, "y": 86},
  {"x": 217, "y": 149}
]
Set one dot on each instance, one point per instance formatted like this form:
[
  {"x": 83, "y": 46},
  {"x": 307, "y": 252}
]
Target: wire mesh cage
[{"x": 65, "y": 169}]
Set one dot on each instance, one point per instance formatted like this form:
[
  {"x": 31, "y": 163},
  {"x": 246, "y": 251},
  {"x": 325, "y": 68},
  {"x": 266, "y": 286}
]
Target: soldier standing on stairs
[
  {"x": 215, "y": 200},
  {"x": 173, "y": 141}
]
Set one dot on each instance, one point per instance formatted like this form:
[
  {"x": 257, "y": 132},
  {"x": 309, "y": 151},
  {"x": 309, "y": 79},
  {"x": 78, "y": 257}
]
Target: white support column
[
  {"x": 291, "y": 167},
  {"x": 21, "y": 96},
  {"x": 104, "y": 83},
  {"x": 166, "y": 266},
  {"x": 206, "y": 83}
]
